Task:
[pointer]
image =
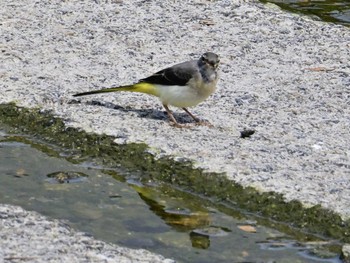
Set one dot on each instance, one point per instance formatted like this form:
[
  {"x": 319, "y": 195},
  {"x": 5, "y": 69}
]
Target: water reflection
[
  {"x": 138, "y": 214},
  {"x": 329, "y": 10}
]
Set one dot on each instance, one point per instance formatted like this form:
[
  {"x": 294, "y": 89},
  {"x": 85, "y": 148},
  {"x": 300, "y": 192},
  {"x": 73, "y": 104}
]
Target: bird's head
[{"x": 210, "y": 59}]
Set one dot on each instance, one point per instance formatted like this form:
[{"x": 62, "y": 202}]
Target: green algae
[{"x": 270, "y": 208}]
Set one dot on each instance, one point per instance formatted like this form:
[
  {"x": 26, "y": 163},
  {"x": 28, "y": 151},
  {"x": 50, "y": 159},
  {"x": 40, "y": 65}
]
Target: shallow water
[
  {"x": 118, "y": 208},
  {"x": 337, "y": 11}
]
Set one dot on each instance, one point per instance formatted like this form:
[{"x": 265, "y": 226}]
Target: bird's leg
[
  {"x": 192, "y": 116},
  {"x": 207, "y": 123},
  {"x": 172, "y": 118},
  {"x": 170, "y": 114}
]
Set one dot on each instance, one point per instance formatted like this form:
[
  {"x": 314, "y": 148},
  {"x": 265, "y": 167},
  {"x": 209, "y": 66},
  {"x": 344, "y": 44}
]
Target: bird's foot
[
  {"x": 178, "y": 125},
  {"x": 204, "y": 123},
  {"x": 191, "y": 125}
]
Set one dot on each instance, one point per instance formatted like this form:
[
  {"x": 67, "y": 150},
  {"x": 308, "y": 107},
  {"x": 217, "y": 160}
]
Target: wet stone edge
[{"x": 135, "y": 158}]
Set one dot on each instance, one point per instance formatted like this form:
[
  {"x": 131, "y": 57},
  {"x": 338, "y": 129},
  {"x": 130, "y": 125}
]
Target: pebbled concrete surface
[
  {"x": 286, "y": 77},
  {"x": 27, "y": 236}
]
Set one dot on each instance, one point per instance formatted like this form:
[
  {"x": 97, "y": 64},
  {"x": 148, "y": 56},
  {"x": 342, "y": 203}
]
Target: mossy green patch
[{"x": 270, "y": 207}]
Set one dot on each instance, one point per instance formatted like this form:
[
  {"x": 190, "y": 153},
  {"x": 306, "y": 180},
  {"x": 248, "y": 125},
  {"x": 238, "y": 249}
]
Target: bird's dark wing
[{"x": 179, "y": 75}]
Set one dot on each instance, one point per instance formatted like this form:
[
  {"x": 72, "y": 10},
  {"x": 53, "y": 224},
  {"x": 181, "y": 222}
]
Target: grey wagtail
[{"x": 182, "y": 85}]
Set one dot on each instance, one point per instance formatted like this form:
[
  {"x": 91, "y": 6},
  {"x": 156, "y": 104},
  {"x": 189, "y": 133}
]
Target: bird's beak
[{"x": 216, "y": 65}]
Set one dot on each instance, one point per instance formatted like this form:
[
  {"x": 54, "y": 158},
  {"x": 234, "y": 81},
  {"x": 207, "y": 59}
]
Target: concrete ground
[
  {"x": 285, "y": 76},
  {"x": 30, "y": 237}
]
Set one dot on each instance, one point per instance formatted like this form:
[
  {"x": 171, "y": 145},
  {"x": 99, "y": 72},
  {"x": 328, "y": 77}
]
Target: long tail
[{"x": 142, "y": 87}]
